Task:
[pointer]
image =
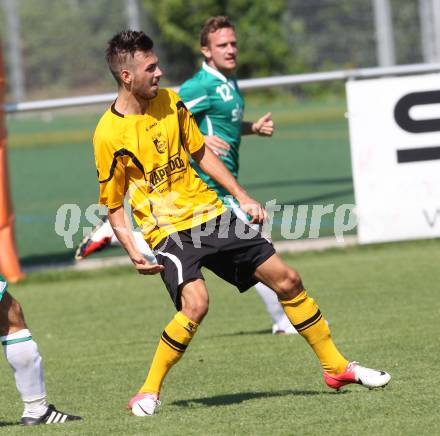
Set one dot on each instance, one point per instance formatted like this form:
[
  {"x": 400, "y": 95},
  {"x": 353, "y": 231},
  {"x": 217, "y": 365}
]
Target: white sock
[
  {"x": 273, "y": 307},
  {"x": 104, "y": 231},
  {"x": 22, "y": 354}
]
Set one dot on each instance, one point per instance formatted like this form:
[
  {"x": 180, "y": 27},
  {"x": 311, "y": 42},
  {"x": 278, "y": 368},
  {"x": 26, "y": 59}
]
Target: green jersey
[
  {"x": 3, "y": 286},
  {"x": 217, "y": 106}
]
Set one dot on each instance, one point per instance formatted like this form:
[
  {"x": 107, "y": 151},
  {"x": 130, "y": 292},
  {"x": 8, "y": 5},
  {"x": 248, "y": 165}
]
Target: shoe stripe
[
  {"x": 173, "y": 343},
  {"x": 51, "y": 417},
  {"x": 308, "y": 322},
  {"x": 143, "y": 410},
  {"x": 63, "y": 419},
  {"x": 57, "y": 418}
]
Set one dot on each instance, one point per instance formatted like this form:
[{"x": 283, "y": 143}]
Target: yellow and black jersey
[{"x": 147, "y": 157}]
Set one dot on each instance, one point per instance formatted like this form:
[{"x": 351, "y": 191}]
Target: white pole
[
  {"x": 384, "y": 33},
  {"x": 138, "y": 19},
  {"x": 133, "y": 14},
  {"x": 14, "y": 50},
  {"x": 426, "y": 30},
  {"x": 436, "y": 26},
  {"x": 263, "y": 82}
]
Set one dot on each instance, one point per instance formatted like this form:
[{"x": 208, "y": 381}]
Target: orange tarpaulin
[{"x": 9, "y": 264}]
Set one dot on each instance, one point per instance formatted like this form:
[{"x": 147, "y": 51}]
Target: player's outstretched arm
[
  {"x": 123, "y": 231},
  {"x": 262, "y": 127},
  {"x": 217, "y": 170}
]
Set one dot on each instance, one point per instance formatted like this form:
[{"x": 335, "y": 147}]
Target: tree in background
[
  {"x": 62, "y": 44},
  {"x": 63, "y": 41},
  {"x": 328, "y": 33},
  {"x": 263, "y": 45}
]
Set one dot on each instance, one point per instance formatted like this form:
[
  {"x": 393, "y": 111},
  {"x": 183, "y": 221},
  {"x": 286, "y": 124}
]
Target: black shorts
[{"x": 216, "y": 246}]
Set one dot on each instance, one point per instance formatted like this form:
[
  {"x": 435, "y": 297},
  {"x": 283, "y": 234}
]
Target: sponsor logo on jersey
[
  {"x": 160, "y": 143},
  {"x": 161, "y": 174},
  {"x": 150, "y": 127}
]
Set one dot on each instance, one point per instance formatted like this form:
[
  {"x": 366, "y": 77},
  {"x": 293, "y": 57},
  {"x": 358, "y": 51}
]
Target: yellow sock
[
  {"x": 307, "y": 319},
  {"x": 173, "y": 343}
]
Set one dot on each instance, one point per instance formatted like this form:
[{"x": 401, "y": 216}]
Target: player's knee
[
  {"x": 290, "y": 285},
  {"x": 15, "y": 308},
  {"x": 197, "y": 308},
  {"x": 11, "y": 316}
]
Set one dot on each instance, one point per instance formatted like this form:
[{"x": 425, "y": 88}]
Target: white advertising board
[{"x": 395, "y": 148}]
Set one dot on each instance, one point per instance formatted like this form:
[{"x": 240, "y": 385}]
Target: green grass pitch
[{"x": 97, "y": 332}]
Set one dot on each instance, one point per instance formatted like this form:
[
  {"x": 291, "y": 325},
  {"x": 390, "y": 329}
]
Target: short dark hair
[
  {"x": 125, "y": 44},
  {"x": 212, "y": 25}
]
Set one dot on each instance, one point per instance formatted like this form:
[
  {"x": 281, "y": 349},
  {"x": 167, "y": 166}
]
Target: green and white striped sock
[{"x": 21, "y": 351}]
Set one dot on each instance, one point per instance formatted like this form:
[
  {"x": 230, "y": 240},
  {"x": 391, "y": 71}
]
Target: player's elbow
[{"x": 198, "y": 155}]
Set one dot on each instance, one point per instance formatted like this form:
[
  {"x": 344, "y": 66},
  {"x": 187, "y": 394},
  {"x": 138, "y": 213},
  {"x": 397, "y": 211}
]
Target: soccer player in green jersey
[
  {"x": 215, "y": 100},
  {"x": 22, "y": 354},
  {"x": 213, "y": 97}
]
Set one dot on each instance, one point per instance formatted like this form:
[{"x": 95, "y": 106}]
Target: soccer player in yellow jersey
[
  {"x": 142, "y": 146},
  {"x": 215, "y": 100}
]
